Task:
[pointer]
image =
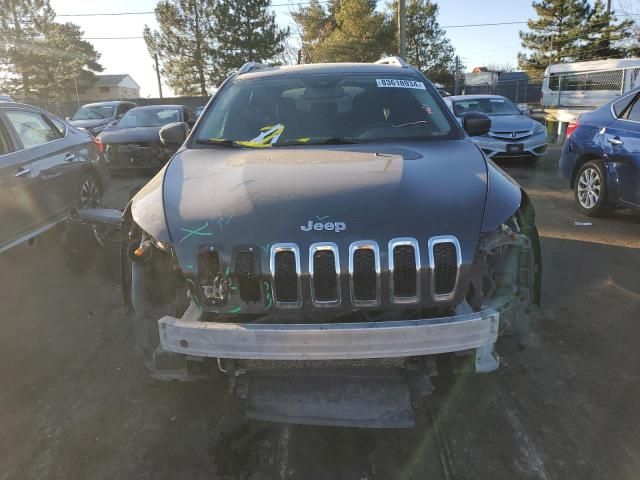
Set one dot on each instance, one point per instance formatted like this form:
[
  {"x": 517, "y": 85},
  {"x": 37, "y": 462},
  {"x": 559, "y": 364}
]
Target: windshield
[
  {"x": 144, "y": 117},
  {"x": 323, "y": 108},
  {"x": 490, "y": 106},
  {"x": 93, "y": 112}
]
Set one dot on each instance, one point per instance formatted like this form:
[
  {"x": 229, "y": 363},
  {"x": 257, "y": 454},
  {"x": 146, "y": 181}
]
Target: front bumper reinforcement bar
[{"x": 329, "y": 341}]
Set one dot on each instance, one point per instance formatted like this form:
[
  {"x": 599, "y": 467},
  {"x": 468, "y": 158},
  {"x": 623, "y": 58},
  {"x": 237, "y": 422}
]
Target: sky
[{"x": 476, "y": 46}]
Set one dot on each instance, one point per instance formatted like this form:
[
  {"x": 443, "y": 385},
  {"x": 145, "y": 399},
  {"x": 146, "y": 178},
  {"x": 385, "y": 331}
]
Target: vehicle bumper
[
  {"x": 534, "y": 146},
  {"x": 567, "y": 161},
  {"x": 329, "y": 341},
  {"x": 103, "y": 172}
]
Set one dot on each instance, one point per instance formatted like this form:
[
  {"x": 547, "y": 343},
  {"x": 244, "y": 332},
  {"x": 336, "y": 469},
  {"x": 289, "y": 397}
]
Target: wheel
[
  {"x": 89, "y": 192},
  {"x": 590, "y": 189}
]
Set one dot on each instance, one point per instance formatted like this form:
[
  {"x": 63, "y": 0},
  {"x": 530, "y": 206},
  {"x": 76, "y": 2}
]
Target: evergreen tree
[
  {"x": 315, "y": 24},
  {"x": 348, "y": 31},
  {"x": 245, "y": 32},
  {"x": 605, "y": 36},
  {"x": 428, "y": 47},
  {"x": 571, "y": 30},
  {"x": 39, "y": 57},
  {"x": 185, "y": 44}
]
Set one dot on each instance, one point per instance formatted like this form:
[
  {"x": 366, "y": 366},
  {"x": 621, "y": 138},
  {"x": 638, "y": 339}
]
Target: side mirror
[
  {"x": 68, "y": 118},
  {"x": 476, "y": 123},
  {"x": 524, "y": 108},
  {"x": 174, "y": 134}
]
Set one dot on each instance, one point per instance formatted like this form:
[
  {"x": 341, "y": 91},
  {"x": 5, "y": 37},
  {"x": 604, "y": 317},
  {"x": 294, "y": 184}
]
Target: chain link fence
[{"x": 68, "y": 108}]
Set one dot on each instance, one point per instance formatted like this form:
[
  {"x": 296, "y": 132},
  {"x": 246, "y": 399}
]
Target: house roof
[
  {"x": 112, "y": 80},
  {"x": 102, "y": 80}
]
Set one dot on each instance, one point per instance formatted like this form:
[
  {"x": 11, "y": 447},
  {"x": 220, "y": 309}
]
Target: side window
[
  {"x": 31, "y": 128},
  {"x": 4, "y": 140},
  {"x": 60, "y": 125},
  {"x": 620, "y": 106},
  {"x": 634, "y": 111}
]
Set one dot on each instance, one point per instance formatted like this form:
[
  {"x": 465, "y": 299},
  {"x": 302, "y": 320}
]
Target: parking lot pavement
[{"x": 76, "y": 401}]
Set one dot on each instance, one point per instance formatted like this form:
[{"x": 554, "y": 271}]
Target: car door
[
  {"x": 50, "y": 158},
  {"x": 622, "y": 149},
  {"x": 19, "y": 211}
]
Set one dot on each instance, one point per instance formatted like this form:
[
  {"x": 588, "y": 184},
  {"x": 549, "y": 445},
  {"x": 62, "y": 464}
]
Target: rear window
[
  {"x": 144, "y": 117},
  {"x": 311, "y": 108},
  {"x": 490, "y": 106}
]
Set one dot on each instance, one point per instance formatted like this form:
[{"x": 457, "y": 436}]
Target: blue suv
[{"x": 601, "y": 156}]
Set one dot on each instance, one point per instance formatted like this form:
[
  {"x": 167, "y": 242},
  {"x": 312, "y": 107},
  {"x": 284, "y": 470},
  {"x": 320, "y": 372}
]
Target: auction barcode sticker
[{"x": 393, "y": 83}]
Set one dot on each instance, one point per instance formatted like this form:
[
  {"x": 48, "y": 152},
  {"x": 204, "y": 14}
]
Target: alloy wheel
[
  {"x": 89, "y": 193},
  {"x": 589, "y": 188}
]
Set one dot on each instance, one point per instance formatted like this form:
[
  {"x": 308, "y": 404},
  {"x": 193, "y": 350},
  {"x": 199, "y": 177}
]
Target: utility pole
[
  {"x": 75, "y": 81},
  {"x": 402, "y": 29},
  {"x": 155, "y": 58},
  {"x": 456, "y": 77}
]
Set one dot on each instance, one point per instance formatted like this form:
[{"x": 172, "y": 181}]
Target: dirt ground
[{"x": 77, "y": 403}]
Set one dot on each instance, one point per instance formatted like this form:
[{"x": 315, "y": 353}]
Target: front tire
[{"x": 590, "y": 189}]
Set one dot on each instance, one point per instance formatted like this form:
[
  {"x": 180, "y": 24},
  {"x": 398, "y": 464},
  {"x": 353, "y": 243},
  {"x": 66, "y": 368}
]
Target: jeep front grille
[
  {"x": 444, "y": 264},
  {"x": 404, "y": 270},
  {"x": 248, "y": 280},
  {"x": 285, "y": 267},
  {"x": 365, "y": 275},
  {"x": 324, "y": 269}
]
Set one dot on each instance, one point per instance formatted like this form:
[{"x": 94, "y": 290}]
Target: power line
[
  {"x": 112, "y": 14},
  {"x": 482, "y": 24},
  {"x": 115, "y": 14}
]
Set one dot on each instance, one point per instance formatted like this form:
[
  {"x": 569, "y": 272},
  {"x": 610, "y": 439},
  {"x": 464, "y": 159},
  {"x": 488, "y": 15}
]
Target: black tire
[
  {"x": 79, "y": 247},
  {"x": 89, "y": 192},
  {"x": 590, "y": 189}
]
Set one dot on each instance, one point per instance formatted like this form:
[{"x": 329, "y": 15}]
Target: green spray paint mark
[
  {"x": 200, "y": 232},
  {"x": 235, "y": 310}
]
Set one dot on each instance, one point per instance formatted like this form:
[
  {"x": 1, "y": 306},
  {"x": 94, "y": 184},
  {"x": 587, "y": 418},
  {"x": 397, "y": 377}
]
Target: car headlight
[{"x": 539, "y": 128}]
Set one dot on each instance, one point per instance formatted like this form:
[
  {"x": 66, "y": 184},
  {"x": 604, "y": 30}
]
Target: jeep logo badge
[{"x": 320, "y": 226}]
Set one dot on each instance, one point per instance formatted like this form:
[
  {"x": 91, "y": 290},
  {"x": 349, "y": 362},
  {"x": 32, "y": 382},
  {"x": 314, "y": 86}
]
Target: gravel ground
[{"x": 76, "y": 401}]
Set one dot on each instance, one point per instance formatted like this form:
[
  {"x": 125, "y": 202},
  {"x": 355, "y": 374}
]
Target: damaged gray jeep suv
[{"x": 329, "y": 238}]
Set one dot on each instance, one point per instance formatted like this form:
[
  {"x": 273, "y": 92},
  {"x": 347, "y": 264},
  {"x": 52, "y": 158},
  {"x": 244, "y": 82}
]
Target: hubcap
[
  {"x": 89, "y": 194},
  {"x": 589, "y": 186}
]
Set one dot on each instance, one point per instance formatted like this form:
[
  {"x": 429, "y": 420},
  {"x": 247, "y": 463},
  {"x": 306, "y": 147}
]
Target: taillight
[
  {"x": 101, "y": 147},
  {"x": 571, "y": 127}
]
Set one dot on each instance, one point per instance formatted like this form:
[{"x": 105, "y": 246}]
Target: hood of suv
[{"x": 228, "y": 197}]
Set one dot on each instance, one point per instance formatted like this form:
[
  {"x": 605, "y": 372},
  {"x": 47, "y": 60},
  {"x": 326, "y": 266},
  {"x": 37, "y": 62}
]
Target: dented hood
[{"x": 302, "y": 195}]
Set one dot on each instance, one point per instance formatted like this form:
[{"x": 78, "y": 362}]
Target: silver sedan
[{"x": 513, "y": 134}]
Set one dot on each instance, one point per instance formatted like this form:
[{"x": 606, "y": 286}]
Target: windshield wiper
[
  {"x": 222, "y": 142},
  {"x": 327, "y": 141}
]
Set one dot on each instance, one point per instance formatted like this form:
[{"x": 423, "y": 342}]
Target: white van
[{"x": 588, "y": 84}]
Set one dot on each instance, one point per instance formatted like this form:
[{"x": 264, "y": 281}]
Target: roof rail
[
  {"x": 392, "y": 61},
  {"x": 251, "y": 66}
]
